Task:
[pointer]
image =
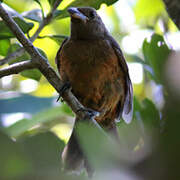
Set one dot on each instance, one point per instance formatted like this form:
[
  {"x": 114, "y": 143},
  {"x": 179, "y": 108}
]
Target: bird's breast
[{"x": 93, "y": 70}]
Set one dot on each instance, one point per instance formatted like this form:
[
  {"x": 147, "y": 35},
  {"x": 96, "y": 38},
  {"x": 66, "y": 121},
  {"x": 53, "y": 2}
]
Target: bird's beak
[{"x": 75, "y": 13}]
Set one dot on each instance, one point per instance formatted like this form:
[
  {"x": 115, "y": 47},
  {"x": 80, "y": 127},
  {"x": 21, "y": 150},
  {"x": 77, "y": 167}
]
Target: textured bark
[
  {"x": 17, "y": 68},
  {"x": 173, "y": 9}
]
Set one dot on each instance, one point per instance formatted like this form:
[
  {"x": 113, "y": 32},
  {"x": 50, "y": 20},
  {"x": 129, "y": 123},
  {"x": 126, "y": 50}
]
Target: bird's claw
[
  {"x": 65, "y": 87},
  {"x": 91, "y": 113}
]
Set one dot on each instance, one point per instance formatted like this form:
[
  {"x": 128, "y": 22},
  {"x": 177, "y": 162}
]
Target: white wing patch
[{"x": 127, "y": 113}]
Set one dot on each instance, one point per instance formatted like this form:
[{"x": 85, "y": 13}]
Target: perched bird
[{"x": 93, "y": 63}]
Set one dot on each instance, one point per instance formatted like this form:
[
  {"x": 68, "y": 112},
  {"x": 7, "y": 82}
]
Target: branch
[
  {"x": 17, "y": 68},
  {"x": 173, "y": 9},
  {"x": 45, "y": 68},
  {"x": 44, "y": 22}
]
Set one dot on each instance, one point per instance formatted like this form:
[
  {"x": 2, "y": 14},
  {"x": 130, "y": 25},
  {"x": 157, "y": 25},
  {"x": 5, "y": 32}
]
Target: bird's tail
[{"x": 73, "y": 157}]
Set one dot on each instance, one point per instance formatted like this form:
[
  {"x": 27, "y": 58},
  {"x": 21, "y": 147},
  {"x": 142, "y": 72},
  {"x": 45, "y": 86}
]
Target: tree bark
[{"x": 173, "y": 9}]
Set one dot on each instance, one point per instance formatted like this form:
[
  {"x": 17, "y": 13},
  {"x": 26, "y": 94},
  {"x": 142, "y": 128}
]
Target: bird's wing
[
  {"x": 57, "y": 59},
  {"x": 127, "y": 111}
]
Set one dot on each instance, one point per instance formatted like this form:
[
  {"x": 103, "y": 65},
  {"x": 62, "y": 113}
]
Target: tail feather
[
  {"x": 74, "y": 158},
  {"x": 72, "y": 155}
]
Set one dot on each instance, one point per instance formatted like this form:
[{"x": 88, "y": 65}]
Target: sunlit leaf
[
  {"x": 5, "y": 32},
  {"x": 4, "y": 46},
  {"x": 147, "y": 10},
  {"x": 51, "y": 2}
]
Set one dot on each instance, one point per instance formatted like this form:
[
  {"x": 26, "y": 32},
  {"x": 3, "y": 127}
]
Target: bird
[{"x": 91, "y": 61}]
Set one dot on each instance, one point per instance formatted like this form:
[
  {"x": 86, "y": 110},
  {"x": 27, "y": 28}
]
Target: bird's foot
[
  {"x": 66, "y": 86},
  {"x": 90, "y": 112}
]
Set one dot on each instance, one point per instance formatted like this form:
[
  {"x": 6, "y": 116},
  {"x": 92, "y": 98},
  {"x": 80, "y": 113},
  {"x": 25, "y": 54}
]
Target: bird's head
[{"x": 86, "y": 23}]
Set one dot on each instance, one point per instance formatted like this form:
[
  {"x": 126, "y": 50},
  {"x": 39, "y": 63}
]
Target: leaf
[
  {"x": 148, "y": 10},
  {"x": 147, "y": 114},
  {"x": 34, "y": 15},
  {"x": 5, "y": 32},
  {"x": 12, "y": 49},
  {"x": 42, "y": 52},
  {"x": 51, "y": 2},
  {"x": 32, "y": 73},
  {"x": 145, "y": 65},
  {"x": 30, "y": 157},
  {"x": 150, "y": 114},
  {"x": 4, "y": 46},
  {"x": 155, "y": 53},
  {"x": 45, "y": 116},
  {"x": 11, "y": 11},
  {"x": 78, "y": 3}
]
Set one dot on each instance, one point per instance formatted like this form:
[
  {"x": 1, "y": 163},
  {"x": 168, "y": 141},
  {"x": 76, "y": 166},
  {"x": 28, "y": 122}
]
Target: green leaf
[
  {"x": 34, "y": 15},
  {"x": 42, "y": 52},
  {"x": 51, "y": 2},
  {"x": 155, "y": 53},
  {"x": 32, "y": 73},
  {"x": 5, "y": 32},
  {"x": 30, "y": 157},
  {"x": 4, "y": 46},
  {"x": 78, "y": 3},
  {"x": 147, "y": 114},
  {"x": 45, "y": 116},
  {"x": 15, "y": 47},
  {"x": 145, "y": 65},
  {"x": 150, "y": 114},
  {"x": 148, "y": 10}
]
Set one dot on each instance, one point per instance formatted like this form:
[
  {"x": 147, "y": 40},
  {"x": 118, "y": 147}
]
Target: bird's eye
[{"x": 92, "y": 14}]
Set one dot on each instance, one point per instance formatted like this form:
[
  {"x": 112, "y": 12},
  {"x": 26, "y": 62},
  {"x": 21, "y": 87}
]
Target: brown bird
[{"x": 93, "y": 63}]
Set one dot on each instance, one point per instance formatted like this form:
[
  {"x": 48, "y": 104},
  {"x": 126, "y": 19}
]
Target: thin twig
[
  {"x": 44, "y": 22},
  {"x": 42, "y": 64},
  {"x": 17, "y": 68},
  {"x": 12, "y": 56},
  {"x": 53, "y": 36}
]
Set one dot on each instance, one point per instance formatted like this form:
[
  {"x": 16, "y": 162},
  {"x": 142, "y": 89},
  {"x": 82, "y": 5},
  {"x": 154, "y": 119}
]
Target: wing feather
[
  {"x": 127, "y": 110},
  {"x": 57, "y": 59}
]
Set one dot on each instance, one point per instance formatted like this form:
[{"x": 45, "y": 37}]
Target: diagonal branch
[
  {"x": 17, "y": 68},
  {"x": 44, "y": 22},
  {"x": 45, "y": 68}
]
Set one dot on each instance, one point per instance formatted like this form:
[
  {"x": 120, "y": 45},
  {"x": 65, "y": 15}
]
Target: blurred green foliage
[{"x": 36, "y": 152}]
